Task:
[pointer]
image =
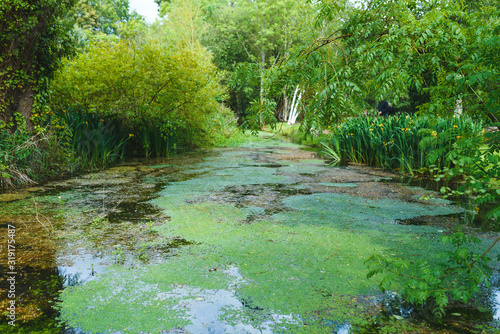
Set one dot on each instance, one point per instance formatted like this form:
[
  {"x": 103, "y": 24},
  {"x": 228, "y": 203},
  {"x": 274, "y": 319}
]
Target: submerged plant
[{"x": 118, "y": 254}]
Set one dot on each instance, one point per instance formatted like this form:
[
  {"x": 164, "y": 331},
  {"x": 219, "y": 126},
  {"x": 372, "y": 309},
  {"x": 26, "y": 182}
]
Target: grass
[
  {"x": 295, "y": 134},
  {"x": 30, "y": 157}
]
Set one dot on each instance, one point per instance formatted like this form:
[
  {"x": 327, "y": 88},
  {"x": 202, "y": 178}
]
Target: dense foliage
[
  {"x": 100, "y": 15},
  {"x": 146, "y": 87},
  {"x": 457, "y": 275},
  {"x": 404, "y": 143},
  {"x": 28, "y": 157},
  {"x": 427, "y": 56},
  {"x": 33, "y": 36}
]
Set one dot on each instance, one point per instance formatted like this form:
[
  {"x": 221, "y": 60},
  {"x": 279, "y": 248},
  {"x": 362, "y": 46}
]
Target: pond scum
[{"x": 274, "y": 242}]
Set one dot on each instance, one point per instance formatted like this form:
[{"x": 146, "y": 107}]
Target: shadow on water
[
  {"x": 475, "y": 218},
  {"x": 268, "y": 197}
]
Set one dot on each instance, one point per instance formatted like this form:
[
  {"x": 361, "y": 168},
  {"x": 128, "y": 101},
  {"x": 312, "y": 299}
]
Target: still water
[{"x": 262, "y": 238}]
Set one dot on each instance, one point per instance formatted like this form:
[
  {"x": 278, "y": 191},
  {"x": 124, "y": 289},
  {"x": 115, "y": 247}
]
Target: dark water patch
[
  {"x": 268, "y": 197},
  {"x": 158, "y": 251},
  {"x": 162, "y": 166},
  {"x": 35, "y": 290},
  {"x": 134, "y": 212},
  {"x": 310, "y": 149},
  {"x": 173, "y": 243},
  {"x": 429, "y": 183},
  {"x": 483, "y": 221},
  {"x": 265, "y": 165},
  {"x": 482, "y": 315},
  {"x": 446, "y": 221}
]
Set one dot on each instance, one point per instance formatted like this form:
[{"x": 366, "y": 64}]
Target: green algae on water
[{"x": 298, "y": 268}]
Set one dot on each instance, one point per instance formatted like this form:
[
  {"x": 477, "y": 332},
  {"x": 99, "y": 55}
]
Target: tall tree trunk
[
  {"x": 22, "y": 102},
  {"x": 25, "y": 106},
  {"x": 262, "y": 67},
  {"x": 286, "y": 108},
  {"x": 294, "y": 107}
]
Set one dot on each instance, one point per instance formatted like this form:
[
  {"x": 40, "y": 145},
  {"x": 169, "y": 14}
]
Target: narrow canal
[{"x": 261, "y": 238}]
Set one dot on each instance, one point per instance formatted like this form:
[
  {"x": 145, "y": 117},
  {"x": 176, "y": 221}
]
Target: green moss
[
  {"x": 347, "y": 210},
  {"x": 162, "y": 166}
]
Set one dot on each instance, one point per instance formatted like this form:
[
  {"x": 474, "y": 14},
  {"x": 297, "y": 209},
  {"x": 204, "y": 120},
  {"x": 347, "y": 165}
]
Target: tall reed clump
[
  {"x": 402, "y": 143},
  {"x": 96, "y": 141},
  {"x": 157, "y": 141}
]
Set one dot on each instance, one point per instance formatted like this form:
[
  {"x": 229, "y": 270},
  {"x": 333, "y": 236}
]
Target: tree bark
[{"x": 25, "y": 106}]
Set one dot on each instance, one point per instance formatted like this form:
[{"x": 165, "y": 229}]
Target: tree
[
  {"x": 33, "y": 36},
  {"x": 440, "y": 49},
  {"x": 145, "y": 86},
  {"x": 101, "y": 15},
  {"x": 184, "y": 24},
  {"x": 249, "y": 37}
]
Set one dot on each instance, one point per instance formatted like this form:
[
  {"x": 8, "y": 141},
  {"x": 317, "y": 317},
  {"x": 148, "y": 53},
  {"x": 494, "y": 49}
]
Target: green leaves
[
  {"x": 145, "y": 85},
  {"x": 404, "y": 143},
  {"x": 441, "y": 51},
  {"x": 33, "y": 36},
  {"x": 453, "y": 275}
]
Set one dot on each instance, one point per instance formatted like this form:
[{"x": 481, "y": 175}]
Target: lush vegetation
[
  {"x": 85, "y": 83},
  {"x": 167, "y": 99},
  {"x": 403, "y": 143},
  {"x": 118, "y": 88}
]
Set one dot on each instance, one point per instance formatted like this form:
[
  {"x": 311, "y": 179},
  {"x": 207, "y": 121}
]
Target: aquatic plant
[
  {"x": 96, "y": 140},
  {"x": 456, "y": 276},
  {"x": 330, "y": 153},
  {"x": 403, "y": 143},
  {"x": 301, "y": 262}
]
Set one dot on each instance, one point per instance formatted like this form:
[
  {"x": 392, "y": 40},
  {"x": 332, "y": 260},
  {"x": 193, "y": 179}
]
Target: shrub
[
  {"x": 33, "y": 156},
  {"x": 168, "y": 97}
]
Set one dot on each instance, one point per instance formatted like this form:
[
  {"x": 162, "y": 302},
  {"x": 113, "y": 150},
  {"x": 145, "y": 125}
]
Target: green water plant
[
  {"x": 404, "y": 143},
  {"x": 96, "y": 140},
  {"x": 455, "y": 274},
  {"x": 330, "y": 153},
  {"x": 118, "y": 254}
]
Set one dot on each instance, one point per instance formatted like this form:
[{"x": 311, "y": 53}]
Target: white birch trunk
[
  {"x": 294, "y": 110},
  {"x": 286, "y": 108},
  {"x": 290, "y": 114}
]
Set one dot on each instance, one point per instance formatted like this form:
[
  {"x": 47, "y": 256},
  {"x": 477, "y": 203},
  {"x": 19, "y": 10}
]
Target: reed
[
  {"x": 96, "y": 140},
  {"x": 401, "y": 143},
  {"x": 152, "y": 139}
]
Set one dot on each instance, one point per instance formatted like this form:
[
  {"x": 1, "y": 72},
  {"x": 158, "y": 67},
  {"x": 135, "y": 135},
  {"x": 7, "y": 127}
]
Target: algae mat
[{"x": 274, "y": 240}]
